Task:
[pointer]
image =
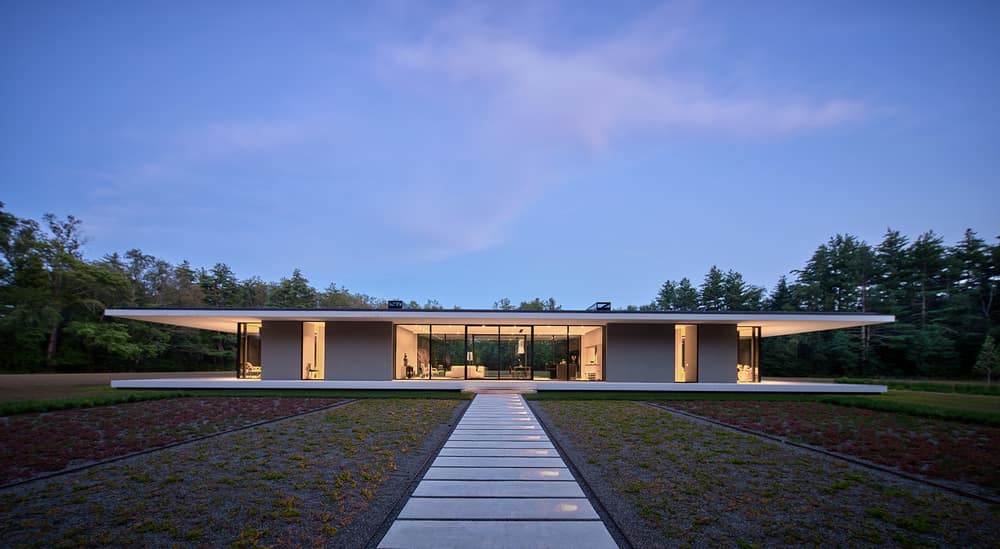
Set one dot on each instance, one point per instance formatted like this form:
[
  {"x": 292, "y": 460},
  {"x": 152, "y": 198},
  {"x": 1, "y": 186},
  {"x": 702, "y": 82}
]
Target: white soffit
[{"x": 772, "y": 324}]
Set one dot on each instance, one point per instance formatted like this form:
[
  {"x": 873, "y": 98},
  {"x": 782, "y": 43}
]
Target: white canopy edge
[{"x": 772, "y": 324}]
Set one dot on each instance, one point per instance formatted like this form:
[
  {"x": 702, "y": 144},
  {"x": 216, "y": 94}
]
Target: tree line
[
  {"x": 945, "y": 300},
  {"x": 52, "y": 301}
]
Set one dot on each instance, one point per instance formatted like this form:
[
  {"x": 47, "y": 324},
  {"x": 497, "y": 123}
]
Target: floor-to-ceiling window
[
  {"x": 445, "y": 352},
  {"x": 685, "y": 353},
  {"x": 748, "y": 355},
  {"x": 248, "y": 350},
  {"x": 426, "y": 351},
  {"x": 313, "y": 350},
  {"x": 432, "y": 351}
]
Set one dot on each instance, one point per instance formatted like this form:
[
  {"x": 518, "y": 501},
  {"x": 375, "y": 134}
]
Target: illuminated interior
[
  {"x": 440, "y": 351},
  {"x": 686, "y": 353},
  {"x": 248, "y": 350},
  {"x": 748, "y": 355},
  {"x": 313, "y": 350}
]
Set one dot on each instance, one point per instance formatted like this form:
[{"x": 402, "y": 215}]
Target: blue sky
[{"x": 470, "y": 151}]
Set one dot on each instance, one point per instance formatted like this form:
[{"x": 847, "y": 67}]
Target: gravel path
[
  {"x": 671, "y": 481},
  {"x": 327, "y": 478}
]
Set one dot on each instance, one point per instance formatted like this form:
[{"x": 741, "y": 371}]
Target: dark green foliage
[
  {"x": 294, "y": 293},
  {"x": 927, "y": 386},
  {"x": 713, "y": 292},
  {"x": 505, "y": 304},
  {"x": 944, "y": 300},
  {"x": 988, "y": 361},
  {"x": 52, "y": 302},
  {"x": 538, "y": 305}
]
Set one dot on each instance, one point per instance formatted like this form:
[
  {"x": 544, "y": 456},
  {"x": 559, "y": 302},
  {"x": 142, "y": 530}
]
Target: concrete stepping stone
[
  {"x": 498, "y": 508},
  {"x": 445, "y": 461},
  {"x": 498, "y": 436},
  {"x": 537, "y": 474},
  {"x": 498, "y": 481},
  {"x": 432, "y": 534},
  {"x": 497, "y": 444},
  {"x": 499, "y": 452},
  {"x": 493, "y": 489}
]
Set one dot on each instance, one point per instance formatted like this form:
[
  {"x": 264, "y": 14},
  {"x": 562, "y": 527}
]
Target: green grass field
[
  {"x": 978, "y": 409},
  {"x": 934, "y": 386}
]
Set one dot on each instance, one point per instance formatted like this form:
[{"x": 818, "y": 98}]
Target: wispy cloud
[{"x": 597, "y": 91}]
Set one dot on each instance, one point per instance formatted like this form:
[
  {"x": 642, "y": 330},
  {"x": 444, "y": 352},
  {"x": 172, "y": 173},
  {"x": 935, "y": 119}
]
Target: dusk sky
[{"x": 466, "y": 152}]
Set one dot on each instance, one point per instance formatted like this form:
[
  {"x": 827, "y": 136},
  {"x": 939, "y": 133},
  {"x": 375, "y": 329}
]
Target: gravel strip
[
  {"x": 671, "y": 481},
  {"x": 320, "y": 479}
]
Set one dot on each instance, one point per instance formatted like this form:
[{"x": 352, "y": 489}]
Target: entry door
[{"x": 507, "y": 356}]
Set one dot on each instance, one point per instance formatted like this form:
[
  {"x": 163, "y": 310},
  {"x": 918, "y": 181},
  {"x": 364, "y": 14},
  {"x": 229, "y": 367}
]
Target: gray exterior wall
[
  {"x": 642, "y": 352},
  {"x": 359, "y": 351},
  {"x": 281, "y": 350},
  {"x": 717, "y": 353}
]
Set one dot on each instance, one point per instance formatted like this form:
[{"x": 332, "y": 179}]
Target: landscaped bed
[
  {"x": 31, "y": 444},
  {"x": 935, "y": 448},
  {"x": 668, "y": 481},
  {"x": 327, "y": 478}
]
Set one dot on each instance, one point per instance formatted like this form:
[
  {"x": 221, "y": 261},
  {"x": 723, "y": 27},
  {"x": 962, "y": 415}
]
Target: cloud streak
[{"x": 599, "y": 91}]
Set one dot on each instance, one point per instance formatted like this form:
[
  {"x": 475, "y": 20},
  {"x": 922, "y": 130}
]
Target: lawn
[
  {"x": 327, "y": 478},
  {"x": 22, "y": 387},
  {"x": 670, "y": 481},
  {"x": 935, "y": 448},
  {"x": 35, "y": 443},
  {"x": 934, "y": 386},
  {"x": 949, "y": 401}
]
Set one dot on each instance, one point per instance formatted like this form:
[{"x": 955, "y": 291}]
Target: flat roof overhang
[{"x": 771, "y": 323}]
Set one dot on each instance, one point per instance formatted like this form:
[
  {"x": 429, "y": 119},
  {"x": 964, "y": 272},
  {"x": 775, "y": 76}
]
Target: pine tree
[
  {"x": 666, "y": 299},
  {"x": 740, "y": 296},
  {"x": 713, "y": 293},
  {"x": 294, "y": 292},
  {"x": 988, "y": 361},
  {"x": 686, "y": 297},
  {"x": 782, "y": 298}
]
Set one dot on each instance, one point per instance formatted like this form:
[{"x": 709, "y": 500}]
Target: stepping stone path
[{"x": 498, "y": 482}]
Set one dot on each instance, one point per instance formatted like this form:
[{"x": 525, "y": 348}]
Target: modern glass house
[{"x": 484, "y": 345}]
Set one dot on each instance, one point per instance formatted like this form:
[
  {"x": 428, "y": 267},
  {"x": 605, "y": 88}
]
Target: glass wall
[
  {"x": 425, "y": 351},
  {"x": 685, "y": 353},
  {"x": 248, "y": 350},
  {"x": 313, "y": 350},
  {"x": 748, "y": 355},
  {"x": 569, "y": 353}
]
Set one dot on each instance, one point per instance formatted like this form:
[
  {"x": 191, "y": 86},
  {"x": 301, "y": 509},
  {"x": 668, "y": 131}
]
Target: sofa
[{"x": 475, "y": 372}]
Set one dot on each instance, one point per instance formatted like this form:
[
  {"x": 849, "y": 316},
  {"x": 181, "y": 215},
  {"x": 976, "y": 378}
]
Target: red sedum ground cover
[
  {"x": 935, "y": 448},
  {"x": 31, "y": 444}
]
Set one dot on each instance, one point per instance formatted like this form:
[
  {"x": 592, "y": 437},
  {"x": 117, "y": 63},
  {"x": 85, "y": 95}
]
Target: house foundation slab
[{"x": 486, "y": 386}]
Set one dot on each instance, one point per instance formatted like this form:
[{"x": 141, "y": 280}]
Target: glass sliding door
[
  {"x": 551, "y": 353},
  {"x": 483, "y": 360},
  {"x": 508, "y": 352},
  {"x": 447, "y": 347},
  {"x": 248, "y": 355},
  {"x": 748, "y": 355},
  {"x": 514, "y": 352}
]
